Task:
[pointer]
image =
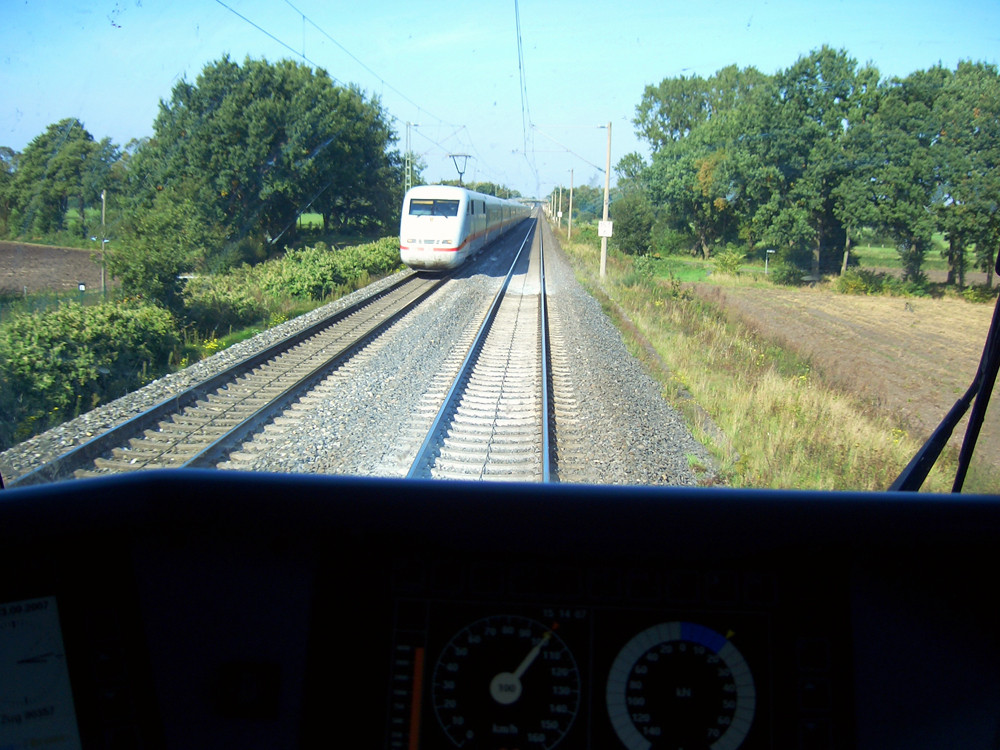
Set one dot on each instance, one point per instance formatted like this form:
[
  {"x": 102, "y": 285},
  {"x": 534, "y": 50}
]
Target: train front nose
[{"x": 432, "y": 243}]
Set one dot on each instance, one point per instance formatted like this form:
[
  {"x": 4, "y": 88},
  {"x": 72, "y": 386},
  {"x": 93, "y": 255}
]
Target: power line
[
  {"x": 301, "y": 53},
  {"x": 568, "y": 149},
  {"x": 525, "y": 110},
  {"x": 272, "y": 36},
  {"x": 360, "y": 62}
]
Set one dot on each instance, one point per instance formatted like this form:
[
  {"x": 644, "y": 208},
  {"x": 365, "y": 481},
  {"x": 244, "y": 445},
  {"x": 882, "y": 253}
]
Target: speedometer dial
[
  {"x": 680, "y": 685},
  {"x": 506, "y": 681}
]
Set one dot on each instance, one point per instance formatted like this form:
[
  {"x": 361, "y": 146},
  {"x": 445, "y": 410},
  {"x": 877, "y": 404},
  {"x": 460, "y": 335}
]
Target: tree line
[
  {"x": 234, "y": 158},
  {"x": 809, "y": 159}
]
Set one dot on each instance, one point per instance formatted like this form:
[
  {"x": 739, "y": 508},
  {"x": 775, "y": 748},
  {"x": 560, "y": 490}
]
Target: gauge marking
[
  {"x": 680, "y": 685},
  {"x": 506, "y": 681}
]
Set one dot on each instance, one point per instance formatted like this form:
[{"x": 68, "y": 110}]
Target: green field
[
  {"x": 876, "y": 256},
  {"x": 310, "y": 221}
]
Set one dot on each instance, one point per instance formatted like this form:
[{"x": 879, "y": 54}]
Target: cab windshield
[{"x": 433, "y": 207}]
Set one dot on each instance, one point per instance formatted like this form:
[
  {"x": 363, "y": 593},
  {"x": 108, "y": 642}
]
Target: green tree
[
  {"x": 250, "y": 147},
  {"x": 8, "y": 168},
  {"x": 632, "y": 172},
  {"x": 632, "y": 214},
  {"x": 967, "y": 152},
  {"x": 676, "y": 107},
  {"x": 906, "y": 179},
  {"x": 161, "y": 244},
  {"x": 820, "y": 98},
  {"x": 710, "y": 182},
  {"x": 693, "y": 183},
  {"x": 588, "y": 202},
  {"x": 855, "y": 198},
  {"x": 491, "y": 188},
  {"x": 61, "y": 167}
]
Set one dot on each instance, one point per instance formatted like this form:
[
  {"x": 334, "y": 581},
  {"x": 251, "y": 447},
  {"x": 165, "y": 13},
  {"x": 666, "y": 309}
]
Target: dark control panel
[{"x": 187, "y": 609}]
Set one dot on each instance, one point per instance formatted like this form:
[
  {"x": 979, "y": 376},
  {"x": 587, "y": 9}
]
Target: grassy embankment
[{"x": 779, "y": 424}]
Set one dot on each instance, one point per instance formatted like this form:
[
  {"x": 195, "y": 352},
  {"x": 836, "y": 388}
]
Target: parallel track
[
  {"x": 494, "y": 419},
  {"x": 198, "y": 426}
]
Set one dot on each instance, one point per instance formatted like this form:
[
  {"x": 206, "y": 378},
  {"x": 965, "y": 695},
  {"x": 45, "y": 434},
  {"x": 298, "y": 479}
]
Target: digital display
[{"x": 36, "y": 701}]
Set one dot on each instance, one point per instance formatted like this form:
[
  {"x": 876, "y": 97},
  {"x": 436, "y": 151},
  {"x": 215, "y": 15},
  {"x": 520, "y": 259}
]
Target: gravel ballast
[{"x": 362, "y": 420}]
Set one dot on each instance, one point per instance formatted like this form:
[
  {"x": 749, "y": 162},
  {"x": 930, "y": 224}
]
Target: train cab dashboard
[{"x": 206, "y": 609}]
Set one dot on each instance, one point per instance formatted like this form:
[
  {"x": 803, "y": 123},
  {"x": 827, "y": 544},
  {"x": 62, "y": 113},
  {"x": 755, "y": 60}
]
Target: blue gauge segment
[
  {"x": 700, "y": 634},
  {"x": 680, "y": 685}
]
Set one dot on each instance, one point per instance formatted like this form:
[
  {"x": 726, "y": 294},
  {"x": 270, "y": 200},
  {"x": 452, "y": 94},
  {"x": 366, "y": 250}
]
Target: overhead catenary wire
[
  {"x": 569, "y": 150},
  {"x": 301, "y": 53},
  {"x": 360, "y": 62},
  {"x": 526, "y": 128},
  {"x": 385, "y": 83},
  {"x": 271, "y": 36}
]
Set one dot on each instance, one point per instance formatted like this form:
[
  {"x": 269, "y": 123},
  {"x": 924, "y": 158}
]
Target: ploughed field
[
  {"x": 38, "y": 268},
  {"x": 912, "y": 356}
]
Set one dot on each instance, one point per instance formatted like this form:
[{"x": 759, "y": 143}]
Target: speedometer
[
  {"x": 506, "y": 681},
  {"x": 680, "y": 685}
]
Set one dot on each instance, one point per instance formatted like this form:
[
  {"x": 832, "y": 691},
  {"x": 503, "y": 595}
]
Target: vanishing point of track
[{"x": 492, "y": 423}]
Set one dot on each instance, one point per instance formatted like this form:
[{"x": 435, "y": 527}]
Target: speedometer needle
[
  {"x": 506, "y": 688},
  {"x": 532, "y": 655}
]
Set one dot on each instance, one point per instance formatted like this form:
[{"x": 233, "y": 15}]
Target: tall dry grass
[{"x": 779, "y": 424}]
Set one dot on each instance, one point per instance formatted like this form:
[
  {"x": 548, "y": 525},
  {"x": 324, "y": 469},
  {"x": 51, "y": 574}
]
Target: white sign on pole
[{"x": 604, "y": 228}]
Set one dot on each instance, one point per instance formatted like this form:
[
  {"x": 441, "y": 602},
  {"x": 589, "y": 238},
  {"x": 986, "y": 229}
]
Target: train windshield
[
  {"x": 802, "y": 225},
  {"x": 433, "y": 207}
]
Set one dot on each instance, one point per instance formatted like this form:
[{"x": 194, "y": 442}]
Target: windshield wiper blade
[{"x": 912, "y": 477}]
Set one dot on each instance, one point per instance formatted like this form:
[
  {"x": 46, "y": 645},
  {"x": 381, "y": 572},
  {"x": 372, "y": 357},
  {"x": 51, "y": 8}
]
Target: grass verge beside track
[{"x": 769, "y": 416}]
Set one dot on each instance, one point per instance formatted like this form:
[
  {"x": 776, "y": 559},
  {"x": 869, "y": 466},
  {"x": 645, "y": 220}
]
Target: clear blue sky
[{"x": 452, "y": 66}]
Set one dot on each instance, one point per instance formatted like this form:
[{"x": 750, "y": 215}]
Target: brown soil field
[
  {"x": 913, "y": 357},
  {"x": 37, "y": 268}
]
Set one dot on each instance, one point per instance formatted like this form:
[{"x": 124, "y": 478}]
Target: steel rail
[
  {"x": 544, "y": 315},
  {"x": 423, "y": 456},
  {"x": 119, "y": 435},
  {"x": 216, "y": 450}
]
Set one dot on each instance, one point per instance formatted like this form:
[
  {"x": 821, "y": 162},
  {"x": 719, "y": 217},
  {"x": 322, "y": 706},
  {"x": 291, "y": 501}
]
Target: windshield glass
[
  {"x": 777, "y": 224},
  {"x": 438, "y": 207}
]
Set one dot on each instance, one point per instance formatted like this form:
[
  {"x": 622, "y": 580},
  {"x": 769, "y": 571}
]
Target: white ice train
[{"x": 442, "y": 226}]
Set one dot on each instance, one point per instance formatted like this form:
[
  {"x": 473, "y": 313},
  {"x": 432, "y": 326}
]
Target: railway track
[
  {"x": 492, "y": 421},
  {"x": 199, "y": 426}
]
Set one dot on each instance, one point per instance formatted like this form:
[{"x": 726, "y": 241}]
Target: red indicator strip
[{"x": 418, "y": 697}]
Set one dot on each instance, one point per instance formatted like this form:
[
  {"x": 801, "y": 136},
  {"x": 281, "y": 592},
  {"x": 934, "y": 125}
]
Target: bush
[
  {"x": 979, "y": 293},
  {"x": 860, "y": 281},
  {"x": 669, "y": 241},
  {"x": 909, "y": 288},
  {"x": 729, "y": 261},
  {"x": 632, "y": 214},
  {"x": 249, "y": 294},
  {"x": 642, "y": 273},
  {"x": 786, "y": 274},
  {"x": 315, "y": 272},
  {"x": 865, "y": 281},
  {"x": 645, "y": 265},
  {"x": 57, "y": 364},
  {"x": 216, "y": 302}
]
